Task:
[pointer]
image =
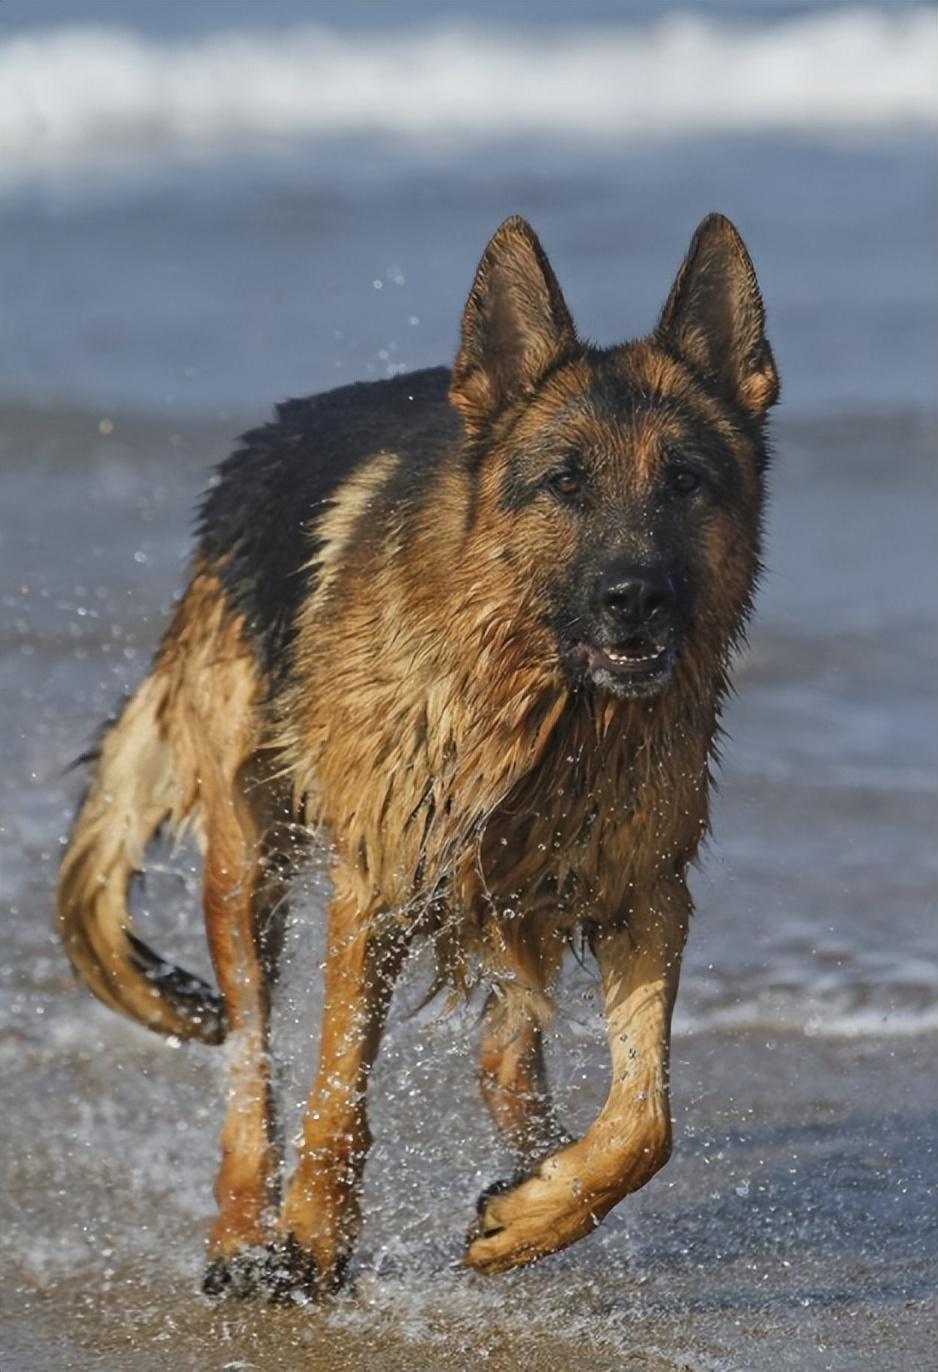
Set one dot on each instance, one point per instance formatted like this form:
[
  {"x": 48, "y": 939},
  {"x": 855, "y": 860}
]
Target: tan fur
[
  {"x": 630, "y": 1139},
  {"x": 513, "y": 1081},
  {"x": 166, "y": 762},
  {"x": 241, "y": 892},
  {"x": 321, "y": 1213}
]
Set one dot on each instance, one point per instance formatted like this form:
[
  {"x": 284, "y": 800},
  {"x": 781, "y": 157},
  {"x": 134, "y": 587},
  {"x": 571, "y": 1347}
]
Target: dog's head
[{"x": 622, "y": 488}]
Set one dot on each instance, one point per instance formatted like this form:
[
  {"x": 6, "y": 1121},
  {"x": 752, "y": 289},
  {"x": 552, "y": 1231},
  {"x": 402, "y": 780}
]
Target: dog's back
[{"x": 256, "y": 531}]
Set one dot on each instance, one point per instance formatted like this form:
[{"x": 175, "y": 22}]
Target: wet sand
[{"x": 795, "y": 1227}]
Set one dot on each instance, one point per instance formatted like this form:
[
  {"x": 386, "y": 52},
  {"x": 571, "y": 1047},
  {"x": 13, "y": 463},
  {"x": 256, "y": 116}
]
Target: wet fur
[{"x": 368, "y": 651}]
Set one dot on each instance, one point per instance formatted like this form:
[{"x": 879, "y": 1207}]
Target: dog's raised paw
[{"x": 528, "y": 1220}]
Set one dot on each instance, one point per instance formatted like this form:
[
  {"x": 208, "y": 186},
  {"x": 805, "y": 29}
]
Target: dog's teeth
[
  {"x": 628, "y": 657},
  {"x": 631, "y": 658}
]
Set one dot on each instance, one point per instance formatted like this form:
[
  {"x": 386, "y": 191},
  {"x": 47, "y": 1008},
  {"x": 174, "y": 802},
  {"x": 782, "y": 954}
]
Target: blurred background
[
  {"x": 209, "y": 206},
  {"x": 205, "y": 208}
]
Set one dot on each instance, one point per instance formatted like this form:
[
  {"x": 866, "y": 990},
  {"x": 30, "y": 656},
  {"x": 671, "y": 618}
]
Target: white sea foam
[
  {"x": 84, "y": 96},
  {"x": 811, "y": 1018}
]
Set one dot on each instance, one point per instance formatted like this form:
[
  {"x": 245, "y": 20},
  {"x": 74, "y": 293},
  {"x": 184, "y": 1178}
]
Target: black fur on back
[{"x": 255, "y": 519}]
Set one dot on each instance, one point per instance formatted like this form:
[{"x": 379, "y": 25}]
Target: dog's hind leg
[
  {"x": 513, "y": 1079},
  {"x": 244, "y": 894},
  {"x": 321, "y": 1213},
  {"x": 568, "y": 1193}
]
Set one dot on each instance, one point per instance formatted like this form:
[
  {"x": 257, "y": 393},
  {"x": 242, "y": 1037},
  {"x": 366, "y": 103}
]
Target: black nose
[{"x": 635, "y": 599}]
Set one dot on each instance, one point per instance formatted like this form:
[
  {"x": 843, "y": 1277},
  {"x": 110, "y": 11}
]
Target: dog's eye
[
  {"x": 684, "y": 481},
  {"x": 566, "y": 484}
]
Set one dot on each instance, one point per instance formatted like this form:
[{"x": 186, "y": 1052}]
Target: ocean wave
[{"x": 101, "y": 96}]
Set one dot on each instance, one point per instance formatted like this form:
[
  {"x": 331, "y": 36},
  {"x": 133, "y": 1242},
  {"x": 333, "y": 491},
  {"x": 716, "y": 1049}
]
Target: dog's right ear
[
  {"x": 516, "y": 326},
  {"x": 714, "y": 317}
]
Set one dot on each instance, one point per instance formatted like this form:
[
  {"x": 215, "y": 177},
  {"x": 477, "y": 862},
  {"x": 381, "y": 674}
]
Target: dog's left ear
[
  {"x": 714, "y": 317},
  {"x": 516, "y": 326}
]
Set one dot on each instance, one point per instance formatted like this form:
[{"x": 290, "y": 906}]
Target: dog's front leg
[
  {"x": 569, "y": 1193},
  {"x": 320, "y": 1215}
]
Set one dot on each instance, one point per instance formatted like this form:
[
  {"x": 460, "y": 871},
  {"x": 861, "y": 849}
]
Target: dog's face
[{"x": 623, "y": 487}]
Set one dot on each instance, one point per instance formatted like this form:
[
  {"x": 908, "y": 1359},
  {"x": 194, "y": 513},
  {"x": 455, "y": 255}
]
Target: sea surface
[{"x": 204, "y": 209}]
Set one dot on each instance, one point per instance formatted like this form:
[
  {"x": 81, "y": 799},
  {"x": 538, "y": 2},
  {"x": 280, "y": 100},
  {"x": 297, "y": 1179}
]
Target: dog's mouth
[{"x": 636, "y": 665}]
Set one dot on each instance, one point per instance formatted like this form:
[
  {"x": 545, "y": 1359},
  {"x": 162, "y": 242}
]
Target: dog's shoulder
[{"x": 256, "y": 519}]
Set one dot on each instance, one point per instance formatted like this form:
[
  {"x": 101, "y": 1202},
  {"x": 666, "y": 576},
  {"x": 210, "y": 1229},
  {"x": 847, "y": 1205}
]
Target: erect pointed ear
[
  {"x": 714, "y": 317},
  {"x": 515, "y": 327}
]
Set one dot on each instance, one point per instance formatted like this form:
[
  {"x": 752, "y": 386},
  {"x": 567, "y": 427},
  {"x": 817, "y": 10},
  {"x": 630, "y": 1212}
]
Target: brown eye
[
  {"x": 684, "y": 481},
  {"x": 566, "y": 484}
]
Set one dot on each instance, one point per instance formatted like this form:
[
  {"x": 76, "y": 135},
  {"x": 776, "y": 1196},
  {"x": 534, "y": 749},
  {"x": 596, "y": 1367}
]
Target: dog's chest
[{"x": 584, "y": 829}]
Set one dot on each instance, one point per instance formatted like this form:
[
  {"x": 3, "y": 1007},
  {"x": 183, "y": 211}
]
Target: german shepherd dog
[{"x": 474, "y": 628}]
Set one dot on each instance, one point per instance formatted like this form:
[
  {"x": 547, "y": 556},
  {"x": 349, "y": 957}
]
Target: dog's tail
[{"x": 135, "y": 789}]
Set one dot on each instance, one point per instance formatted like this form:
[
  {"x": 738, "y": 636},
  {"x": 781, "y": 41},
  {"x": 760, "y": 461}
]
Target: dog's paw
[
  {"x": 239, "y": 1277},
  {"x": 497, "y": 1188},
  {"x": 520, "y": 1221},
  {"x": 281, "y": 1274},
  {"x": 294, "y": 1276}
]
